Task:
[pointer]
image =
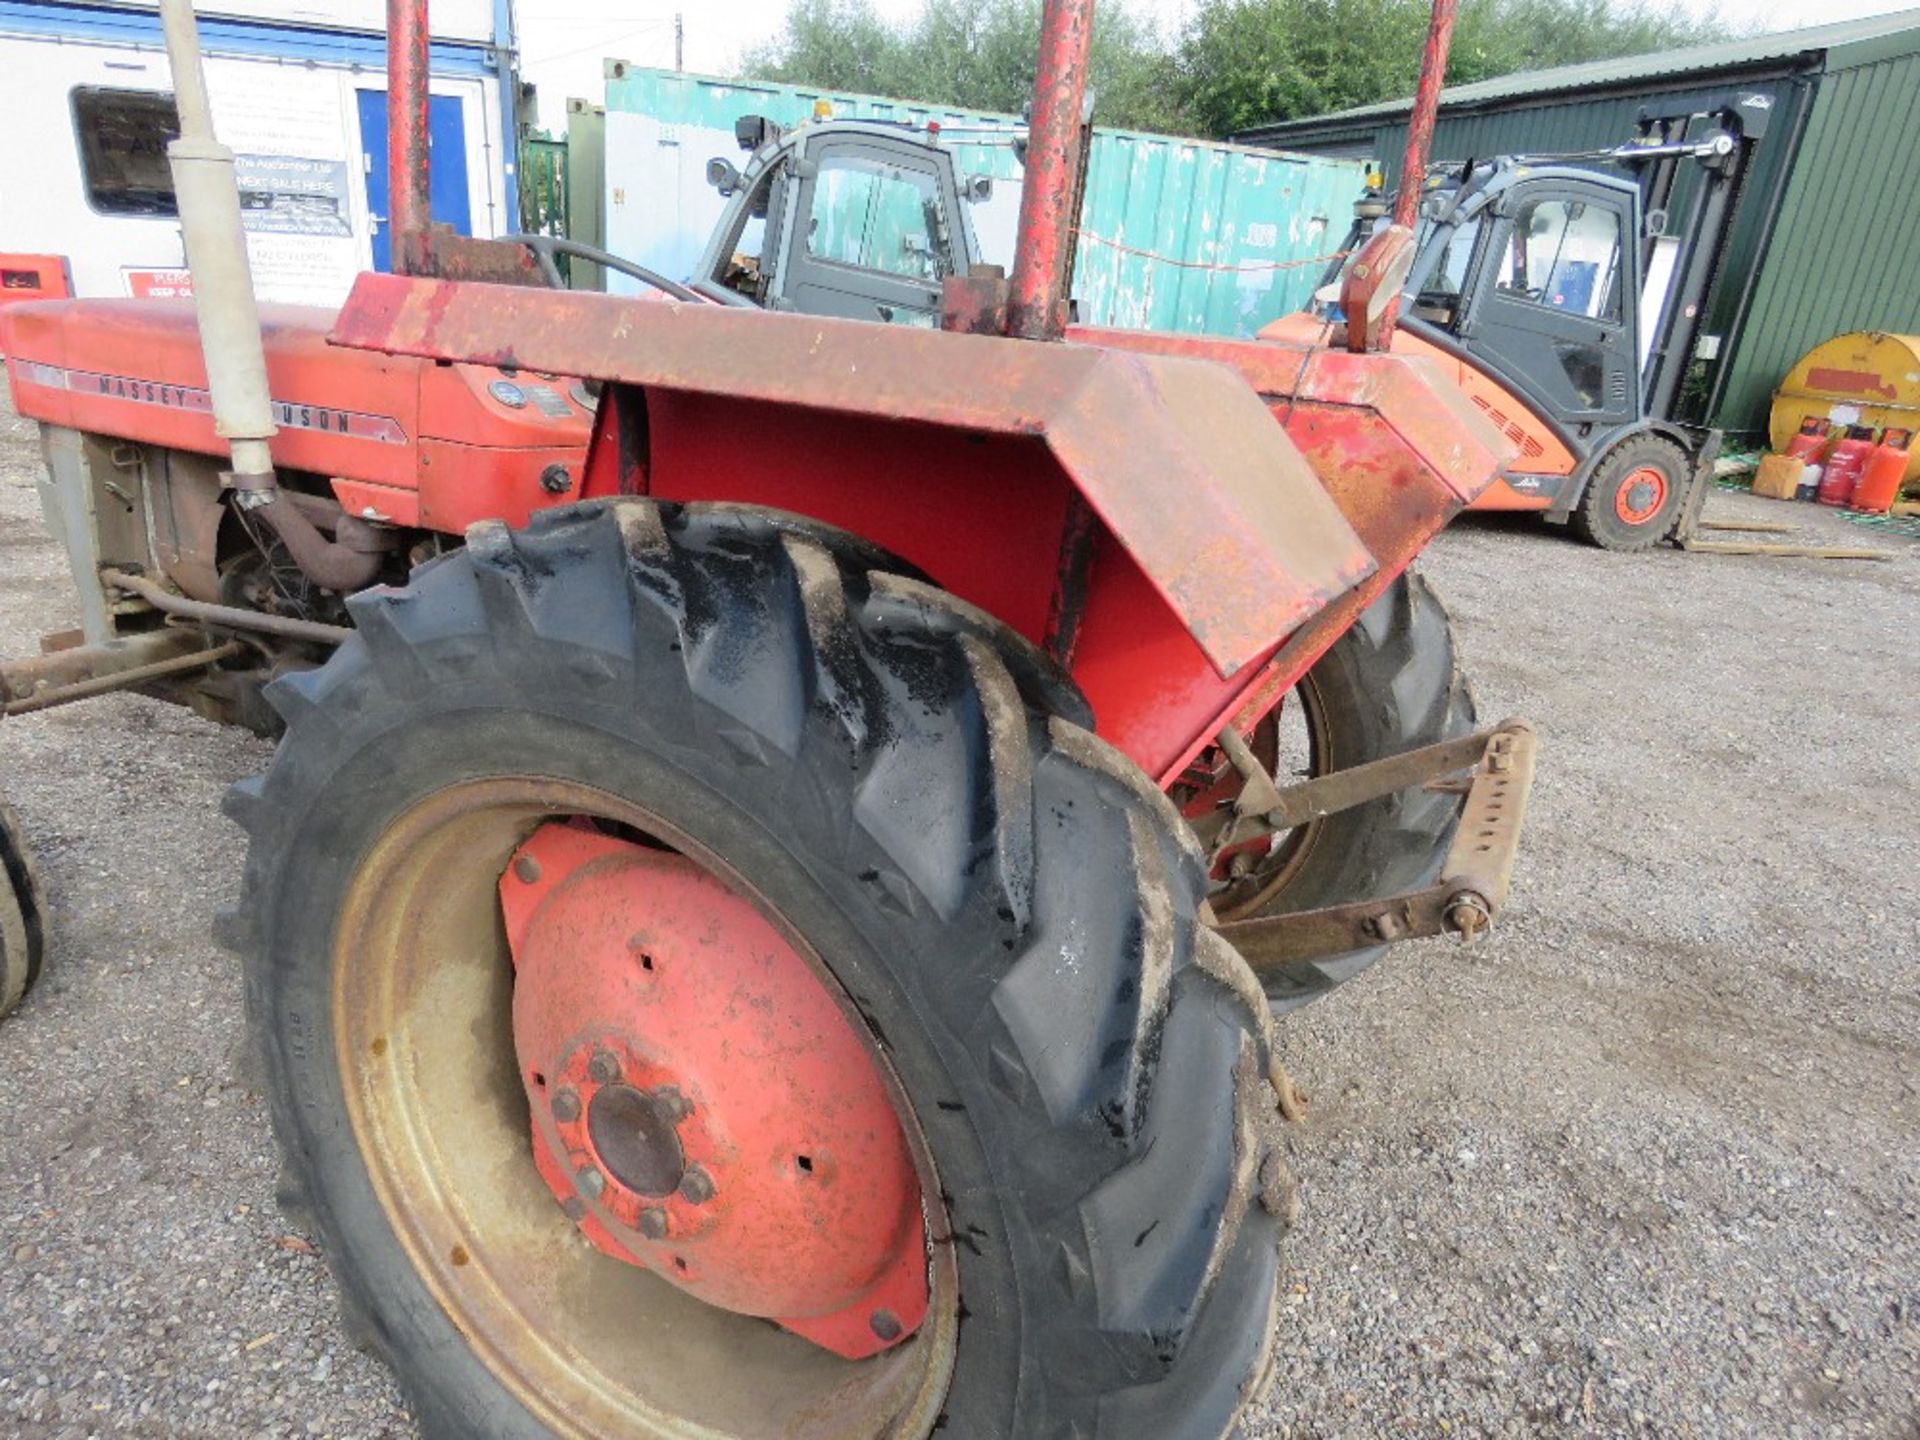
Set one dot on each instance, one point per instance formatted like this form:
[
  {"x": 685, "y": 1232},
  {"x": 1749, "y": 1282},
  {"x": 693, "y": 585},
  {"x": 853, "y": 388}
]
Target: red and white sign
[{"x": 159, "y": 284}]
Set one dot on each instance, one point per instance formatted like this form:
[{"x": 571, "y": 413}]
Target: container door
[
  {"x": 871, "y": 236},
  {"x": 447, "y": 145},
  {"x": 1552, "y": 305}
]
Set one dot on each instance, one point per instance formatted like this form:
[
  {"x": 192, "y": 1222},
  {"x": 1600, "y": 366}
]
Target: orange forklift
[{"x": 1568, "y": 303}]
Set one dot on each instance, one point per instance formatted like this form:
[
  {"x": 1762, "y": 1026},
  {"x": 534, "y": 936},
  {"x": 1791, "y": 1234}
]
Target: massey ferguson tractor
[{"x": 791, "y": 834}]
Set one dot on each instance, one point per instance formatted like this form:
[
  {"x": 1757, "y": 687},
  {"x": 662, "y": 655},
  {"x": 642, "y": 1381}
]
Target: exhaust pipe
[{"x": 208, "y": 197}]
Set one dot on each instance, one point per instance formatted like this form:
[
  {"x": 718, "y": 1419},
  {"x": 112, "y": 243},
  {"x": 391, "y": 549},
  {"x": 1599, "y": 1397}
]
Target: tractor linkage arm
[{"x": 1473, "y": 882}]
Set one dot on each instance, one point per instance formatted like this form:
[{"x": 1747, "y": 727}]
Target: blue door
[{"x": 446, "y": 143}]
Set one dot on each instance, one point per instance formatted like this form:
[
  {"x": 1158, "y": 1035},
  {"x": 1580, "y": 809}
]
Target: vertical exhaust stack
[
  {"x": 208, "y": 195},
  {"x": 209, "y": 201}
]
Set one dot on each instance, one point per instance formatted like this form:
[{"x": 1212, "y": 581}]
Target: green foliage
[
  {"x": 1236, "y": 63},
  {"x": 1246, "y": 62},
  {"x": 977, "y": 56}
]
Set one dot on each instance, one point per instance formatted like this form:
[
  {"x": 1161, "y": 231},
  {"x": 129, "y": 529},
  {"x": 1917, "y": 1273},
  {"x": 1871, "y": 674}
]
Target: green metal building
[{"x": 1826, "y": 238}]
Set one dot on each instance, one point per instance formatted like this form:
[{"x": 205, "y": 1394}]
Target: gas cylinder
[
  {"x": 1849, "y": 458},
  {"x": 1809, "y": 486},
  {"x": 1811, "y": 440},
  {"x": 1879, "y": 484}
]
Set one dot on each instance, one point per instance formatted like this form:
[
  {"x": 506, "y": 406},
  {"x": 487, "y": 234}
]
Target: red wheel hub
[
  {"x": 1641, "y": 494},
  {"x": 701, "y": 1106}
]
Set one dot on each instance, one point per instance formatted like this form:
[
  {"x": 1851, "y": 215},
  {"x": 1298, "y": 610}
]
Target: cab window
[
  {"x": 1565, "y": 254},
  {"x": 1439, "y": 298},
  {"x": 876, "y": 216},
  {"x": 123, "y": 137}
]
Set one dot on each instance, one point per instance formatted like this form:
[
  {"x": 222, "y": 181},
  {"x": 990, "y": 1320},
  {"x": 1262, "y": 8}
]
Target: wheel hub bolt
[
  {"x": 653, "y": 1223},
  {"x": 590, "y": 1181},
  {"x": 566, "y": 1107},
  {"x": 669, "y": 1098},
  {"x": 604, "y": 1067},
  {"x": 885, "y": 1324},
  {"x": 696, "y": 1186}
]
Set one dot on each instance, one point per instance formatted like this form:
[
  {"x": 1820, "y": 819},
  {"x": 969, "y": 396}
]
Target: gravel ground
[{"x": 1647, "y": 1162}]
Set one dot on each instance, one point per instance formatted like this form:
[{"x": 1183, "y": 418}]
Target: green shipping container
[{"x": 1181, "y": 235}]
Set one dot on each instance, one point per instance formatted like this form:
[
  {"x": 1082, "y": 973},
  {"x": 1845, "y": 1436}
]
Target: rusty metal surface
[
  {"x": 1479, "y": 867},
  {"x": 82, "y": 672},
  {"x": 184, "y": 491},
  {"x": 976, "y": 303},
  {"x": 1370, "y": 288},
  {"x": 232, "y": 617},
  {"x": 1178, "y": 457},
  {"x": 1426, "y": 430},
  {"x": 443, "y": 252},
  {"x": 409, "y": 179},
  {"x": 1473, "y": 883},
  {"x": 1036, "y": 304},
  {"x": 1426, "y": 105},
  {"x": 1391, "y": 438},
  {"x": 700, "y": 1106}
]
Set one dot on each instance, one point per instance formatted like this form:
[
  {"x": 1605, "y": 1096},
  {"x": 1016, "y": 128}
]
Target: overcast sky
[{"x": 562, "y": 42}]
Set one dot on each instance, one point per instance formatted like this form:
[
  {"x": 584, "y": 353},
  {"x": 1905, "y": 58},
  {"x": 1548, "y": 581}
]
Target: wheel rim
[
  {"x": 423, "y": 1026},
  {"x": 1294, "y": 738},
  {"x": 1641, "y": 494}
]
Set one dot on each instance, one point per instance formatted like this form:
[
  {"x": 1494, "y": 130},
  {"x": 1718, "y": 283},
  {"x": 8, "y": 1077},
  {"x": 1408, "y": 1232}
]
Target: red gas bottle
[
  {"x": 1811, "y": 440},
  {"x": 1886, "y": 467},
  {"x": 1849, "y": 458}
]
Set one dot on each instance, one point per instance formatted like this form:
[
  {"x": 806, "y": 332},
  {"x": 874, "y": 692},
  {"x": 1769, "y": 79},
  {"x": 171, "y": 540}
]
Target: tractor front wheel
[
  {"x": 706, "y": 989},
  {"x": 1391, "y": 683}
]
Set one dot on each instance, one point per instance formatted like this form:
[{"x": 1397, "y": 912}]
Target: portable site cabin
[
  {"x": 1825, "y": 238},
  {"x": 300, "y": 100}
]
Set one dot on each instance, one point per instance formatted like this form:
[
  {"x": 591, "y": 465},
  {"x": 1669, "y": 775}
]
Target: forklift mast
[{"x": 1723, "y": 149}]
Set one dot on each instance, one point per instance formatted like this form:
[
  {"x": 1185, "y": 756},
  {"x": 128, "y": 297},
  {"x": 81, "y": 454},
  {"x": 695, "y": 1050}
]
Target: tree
[
  {"x": 1236, "y": 64},
  {"x": 976, "y": 56},
  {"x": 1246, "y": 62}
]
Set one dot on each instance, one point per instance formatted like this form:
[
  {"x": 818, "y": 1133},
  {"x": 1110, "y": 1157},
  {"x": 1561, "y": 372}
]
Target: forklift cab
[
  {"x": 1536, "y": 272},
  {"x": 852, "y": 218}
]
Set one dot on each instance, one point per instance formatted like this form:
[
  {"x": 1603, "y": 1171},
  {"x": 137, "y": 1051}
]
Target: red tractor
[{"x": 790, "y": 836}]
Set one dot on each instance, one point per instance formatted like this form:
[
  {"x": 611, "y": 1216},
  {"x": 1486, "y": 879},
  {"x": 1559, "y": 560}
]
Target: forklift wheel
[
  {"x": 658, "y": 924},
  {"x": 1635, "y": 495},
  {"x": 22, "y": 914}
]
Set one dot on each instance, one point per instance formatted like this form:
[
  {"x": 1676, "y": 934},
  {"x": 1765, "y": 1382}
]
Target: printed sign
[
  {"x": 292, "y": 195},
  {"x": 158, "y": 284}
]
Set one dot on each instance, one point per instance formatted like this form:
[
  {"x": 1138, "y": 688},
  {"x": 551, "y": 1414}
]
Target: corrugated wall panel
[
  {"x": 1176, "y": 234},
  {"x": 1846, "y": 248}
]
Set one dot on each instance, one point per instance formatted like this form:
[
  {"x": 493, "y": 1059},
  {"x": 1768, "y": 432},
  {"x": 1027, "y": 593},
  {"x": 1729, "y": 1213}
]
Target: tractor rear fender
[{"x": 1138, "y": 513}]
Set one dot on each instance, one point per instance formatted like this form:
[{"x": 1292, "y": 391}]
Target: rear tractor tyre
[
  {"x": 1634, "y": 497},
  {"x": 23, "y": 936},
  {"x": 1001, "y": 908}
]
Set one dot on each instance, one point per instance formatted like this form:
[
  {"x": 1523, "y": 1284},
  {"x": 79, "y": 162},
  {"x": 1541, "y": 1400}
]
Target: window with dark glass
[
  {"x": 1565, "y": 255},
  {"x": 123, "y": 137}
]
